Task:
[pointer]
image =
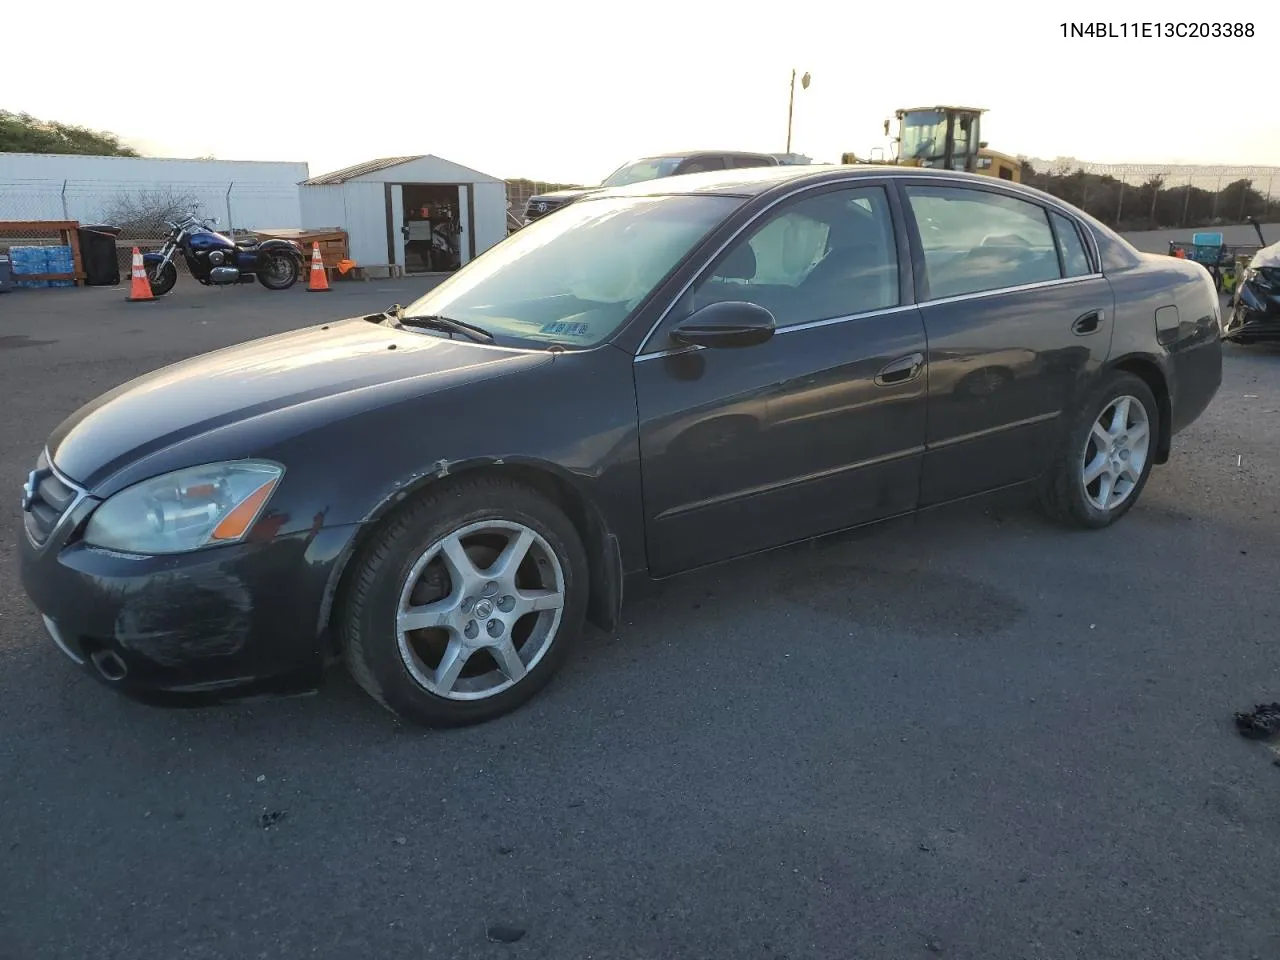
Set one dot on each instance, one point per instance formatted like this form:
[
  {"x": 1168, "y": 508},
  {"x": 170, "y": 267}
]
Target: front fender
[{"x": 152, "y": 259}]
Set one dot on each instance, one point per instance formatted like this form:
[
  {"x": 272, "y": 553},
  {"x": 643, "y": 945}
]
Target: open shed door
[
  {"x": 466, "y": 243},
  {"x": 395, "y": 222}
]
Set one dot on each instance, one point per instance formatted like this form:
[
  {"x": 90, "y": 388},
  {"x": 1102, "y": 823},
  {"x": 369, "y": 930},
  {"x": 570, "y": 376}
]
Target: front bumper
[
  {"x": 1253, "y": 317},
  {"x": 212, "y": 624}
]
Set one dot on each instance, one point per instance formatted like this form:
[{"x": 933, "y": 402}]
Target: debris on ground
[
  {"x": 1260, "y": 723},
  {"x": 271, "y": 818},
  {"x": 498, "y": 933}
]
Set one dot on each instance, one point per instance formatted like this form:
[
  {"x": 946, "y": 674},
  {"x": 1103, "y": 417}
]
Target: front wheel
[
  {"x": 1106, "y": 457},
  {"x": 464, "y": 604},
  {"x": 162, "y": 279},
  {"x": 279, "y": 271}
]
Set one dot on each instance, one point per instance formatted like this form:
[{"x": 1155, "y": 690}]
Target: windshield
[
  {"x": 642, "y": 170},
  {"x": 924, "y": 135},
  {"x": 574, "y": 278}
]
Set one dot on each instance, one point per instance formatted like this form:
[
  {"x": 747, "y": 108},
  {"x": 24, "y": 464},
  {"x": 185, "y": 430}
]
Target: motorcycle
[{"x": 217, "y": 260}]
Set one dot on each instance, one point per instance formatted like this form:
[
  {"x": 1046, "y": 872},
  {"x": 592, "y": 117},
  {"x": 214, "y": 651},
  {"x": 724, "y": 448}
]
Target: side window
[
  {"x": 1074, "y": 259},
  {"x": 701, "y": 165},
  {"x": 825, "y": 256},
  {"x": 744, "y": 162},
  {"x": 975, "y": 240}
]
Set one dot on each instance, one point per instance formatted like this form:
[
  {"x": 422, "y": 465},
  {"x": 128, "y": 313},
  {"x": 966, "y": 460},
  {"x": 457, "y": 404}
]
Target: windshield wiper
[{"x": 437, "y": 322}]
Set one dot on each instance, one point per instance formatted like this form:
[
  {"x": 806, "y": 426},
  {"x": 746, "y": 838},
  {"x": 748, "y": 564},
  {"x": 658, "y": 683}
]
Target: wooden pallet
[{"x": 67, "y": 231}]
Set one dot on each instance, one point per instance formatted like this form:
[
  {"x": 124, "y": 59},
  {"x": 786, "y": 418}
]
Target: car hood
[
  {"x": 366, "y": 362},
  {"x": 1266, "y": 257},
  {"x": 573, "y": 194}
]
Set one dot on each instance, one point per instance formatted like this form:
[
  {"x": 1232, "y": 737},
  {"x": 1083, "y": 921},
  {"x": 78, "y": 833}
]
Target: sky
[{"x": 566, "y": 91}]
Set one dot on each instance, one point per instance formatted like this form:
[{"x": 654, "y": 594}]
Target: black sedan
[{"x": 657, "y": 378}]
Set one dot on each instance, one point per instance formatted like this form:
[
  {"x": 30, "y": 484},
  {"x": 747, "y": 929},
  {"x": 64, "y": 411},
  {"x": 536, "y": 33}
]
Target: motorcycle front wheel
[
  {"x": 279, "y": 272},
  {"x": 162, "y": 280}
]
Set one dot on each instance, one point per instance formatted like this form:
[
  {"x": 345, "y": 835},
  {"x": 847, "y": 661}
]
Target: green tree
[{"x": 23, "y": 133}]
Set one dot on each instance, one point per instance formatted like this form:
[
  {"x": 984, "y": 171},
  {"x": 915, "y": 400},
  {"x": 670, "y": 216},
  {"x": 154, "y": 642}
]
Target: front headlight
[{"x": 185, "y": 510}]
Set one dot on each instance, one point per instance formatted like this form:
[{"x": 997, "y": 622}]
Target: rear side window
[
  {"x": 975, "y": 240},
  {"x": 1074, "y": 259},
  {"x": 702, "y": 165},
  {"x": 744, "y": 162}
]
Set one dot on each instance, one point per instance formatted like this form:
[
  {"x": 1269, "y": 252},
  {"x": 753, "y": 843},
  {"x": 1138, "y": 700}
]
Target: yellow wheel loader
[{"x": 946, "y": 137}]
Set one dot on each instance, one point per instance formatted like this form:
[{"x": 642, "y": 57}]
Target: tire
[
  {"x": 290, "y": 270},
  {"x": 162, "y": 282},
  {"x": 398, "y": 669},
  {"x": 1065, "y": 496}
]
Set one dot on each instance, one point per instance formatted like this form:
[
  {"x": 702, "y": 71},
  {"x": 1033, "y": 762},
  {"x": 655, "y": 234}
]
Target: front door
[
  {"x": 820, "y": 428},
  {"x": 1018, "y": 317}
]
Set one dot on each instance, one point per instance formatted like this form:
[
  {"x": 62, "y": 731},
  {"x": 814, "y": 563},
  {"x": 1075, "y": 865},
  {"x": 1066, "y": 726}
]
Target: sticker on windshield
[{"x": 562, "y": 328}]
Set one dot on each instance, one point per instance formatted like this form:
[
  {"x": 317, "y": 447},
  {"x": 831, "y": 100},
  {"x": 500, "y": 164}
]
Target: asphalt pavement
[{"x": 972, "y": 736}]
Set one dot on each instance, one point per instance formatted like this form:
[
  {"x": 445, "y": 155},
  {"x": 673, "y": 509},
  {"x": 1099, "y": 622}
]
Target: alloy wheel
[
  {"x": 479, "y": 609},
  {"x": 1115, "y": 453}
]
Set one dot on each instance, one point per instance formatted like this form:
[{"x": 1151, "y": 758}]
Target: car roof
[
  {"x": 685, "y": 154},
  {"x": 753, "y": 181}
]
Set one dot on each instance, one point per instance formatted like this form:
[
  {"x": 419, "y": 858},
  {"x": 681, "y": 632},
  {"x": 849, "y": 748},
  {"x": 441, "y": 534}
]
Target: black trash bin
[{"x": 98, "y": 254}]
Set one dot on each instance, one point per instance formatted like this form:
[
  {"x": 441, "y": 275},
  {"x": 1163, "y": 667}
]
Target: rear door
[
  {"x": 820, "y": 428},
  {"x": 1019, "y": 318}
]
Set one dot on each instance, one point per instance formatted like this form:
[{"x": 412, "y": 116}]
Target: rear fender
[{"x": 275, "y": 244}]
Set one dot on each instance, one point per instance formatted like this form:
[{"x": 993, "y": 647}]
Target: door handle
[
  {"x": 1088, "y": 323},
  {"x": 902, "y": 370}
]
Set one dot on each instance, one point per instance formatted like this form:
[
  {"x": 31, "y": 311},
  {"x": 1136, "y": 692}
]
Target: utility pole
[{"x": 791, "y": 103}]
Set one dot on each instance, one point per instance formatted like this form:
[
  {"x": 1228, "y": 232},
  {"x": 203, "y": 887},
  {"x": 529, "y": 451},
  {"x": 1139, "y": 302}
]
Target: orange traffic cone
[
  {"x": 139, "y": 285},
  {"x": 319, "y": 279}
]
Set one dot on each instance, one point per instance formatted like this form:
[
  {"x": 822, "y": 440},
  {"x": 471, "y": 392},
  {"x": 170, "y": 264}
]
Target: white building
[
  {"x": 390, "y": 209},
  {"x": 240, "y": 193}
]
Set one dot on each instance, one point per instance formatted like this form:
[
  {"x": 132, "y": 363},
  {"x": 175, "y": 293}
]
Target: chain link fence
[
  {"x": 518, "y": 194},
  {"x": 140, "y": 209},
  {"x": 1123, "y": 196},
  {"x": 1155, "y": 196},
  {"x": 1128, "y": 197}
]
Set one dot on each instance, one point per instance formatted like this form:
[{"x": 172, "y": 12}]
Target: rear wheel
[
  {"x": 162, "y": 279},
  {"x": 463, "y": 606},
  {"x": 279, "y": 271},
  {"x": 1105, "y": 460}
]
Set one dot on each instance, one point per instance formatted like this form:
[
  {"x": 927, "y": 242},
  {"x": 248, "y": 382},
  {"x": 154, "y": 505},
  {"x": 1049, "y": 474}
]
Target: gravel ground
[{"x": 971, "y": 736}]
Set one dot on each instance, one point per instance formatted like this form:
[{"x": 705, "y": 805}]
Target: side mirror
[
  {"x": 730, "y": 323},
  {"x": 886, "y": 126}
]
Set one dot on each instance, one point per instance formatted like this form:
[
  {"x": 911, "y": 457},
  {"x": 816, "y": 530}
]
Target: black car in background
[
  {"x": 651, "y": 168},
  {"x": 657, "y": 378},
  {"x": 1255, "y": 302}
]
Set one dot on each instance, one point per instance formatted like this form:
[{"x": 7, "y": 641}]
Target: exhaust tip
[{"x": 109, "y": 665}]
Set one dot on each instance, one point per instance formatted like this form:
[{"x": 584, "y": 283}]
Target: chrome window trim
[
  {"x": 901, "y": 308},
  {"x": 807, "y": 325},
  {"x": 81, "y": 494},
  {"x": 997, "y": 291},
  {"x": 1046, "y": 201}
]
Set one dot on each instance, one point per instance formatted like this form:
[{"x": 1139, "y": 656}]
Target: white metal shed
[{"x": 424, "y": 213}]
